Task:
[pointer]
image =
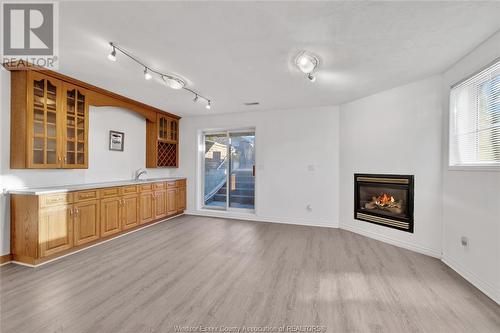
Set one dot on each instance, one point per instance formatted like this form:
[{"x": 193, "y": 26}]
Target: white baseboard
[
  {"x": 257, "y": 218},
  {"x": 409, "y": 246},
  {"x": 488, "y": 289}
]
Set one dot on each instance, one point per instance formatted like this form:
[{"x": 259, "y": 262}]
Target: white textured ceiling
[{"x": 237, "y": 52}]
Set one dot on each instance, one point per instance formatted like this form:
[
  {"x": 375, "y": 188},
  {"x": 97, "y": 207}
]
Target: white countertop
[{"x": 79, "y": 187}]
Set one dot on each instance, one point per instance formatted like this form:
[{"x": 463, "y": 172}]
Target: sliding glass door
[{"x": 229, "y": 170}]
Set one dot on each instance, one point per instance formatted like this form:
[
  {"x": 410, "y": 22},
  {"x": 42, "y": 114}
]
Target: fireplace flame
[{"x": 385, "y": 199}]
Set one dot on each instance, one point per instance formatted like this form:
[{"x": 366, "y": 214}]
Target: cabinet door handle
[
  {"x": 77, "y": 211},
  {"x": 71, "y": 212}
]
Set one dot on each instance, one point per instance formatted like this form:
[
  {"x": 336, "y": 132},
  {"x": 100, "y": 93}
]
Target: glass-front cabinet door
[
  {"x": 75, "y": 127},
  {"x": 44, "y": 124}
]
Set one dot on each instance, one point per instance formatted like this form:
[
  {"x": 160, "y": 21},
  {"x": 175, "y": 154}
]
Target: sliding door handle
[{"x": 253, "y": 170}]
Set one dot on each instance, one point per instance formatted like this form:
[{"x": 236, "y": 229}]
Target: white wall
[
  {"x": 471, "y": 205},
  {"x": 397, "y": 131},
  {"x": 104, "y": 165},
  {"x": 287, "y": 143}
]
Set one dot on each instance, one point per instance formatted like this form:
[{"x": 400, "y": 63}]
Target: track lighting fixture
[
  {"x": 172, "y": 81},
  {"x": 112, "y": 55},
  {"x": 307, "y": 63},
  {"x": 147, "y": 75}
]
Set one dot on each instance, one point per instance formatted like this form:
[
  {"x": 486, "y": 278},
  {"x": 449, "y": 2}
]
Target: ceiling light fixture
[
  {"x": 307, "y": 63},
  {"x": 147, "y": 75},
  {"x": 172, "y": 81},
  {"x": 112, "y": 55}
]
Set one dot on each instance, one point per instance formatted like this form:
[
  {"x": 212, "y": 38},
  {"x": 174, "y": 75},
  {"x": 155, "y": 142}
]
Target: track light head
[
  {"x": 195, "y": 99},
  {"x": 112, "y": 55},
  {"x": 147, "y": 74},
  {"x": 208, "y": 105}
]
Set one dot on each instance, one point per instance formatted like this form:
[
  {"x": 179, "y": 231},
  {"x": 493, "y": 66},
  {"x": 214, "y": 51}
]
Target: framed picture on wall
[{"x": 116, "y": 140}]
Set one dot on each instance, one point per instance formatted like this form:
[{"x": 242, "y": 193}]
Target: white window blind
[{"x": 475, "y": 120}]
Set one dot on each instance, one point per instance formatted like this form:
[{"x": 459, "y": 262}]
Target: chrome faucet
[{"x": 140, "y": 172}]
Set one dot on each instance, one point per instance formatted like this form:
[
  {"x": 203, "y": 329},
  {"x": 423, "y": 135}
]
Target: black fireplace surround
[{"x": 384, "y": 199}]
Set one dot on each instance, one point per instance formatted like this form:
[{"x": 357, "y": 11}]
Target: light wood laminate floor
[{"x": 215, "y": 272}]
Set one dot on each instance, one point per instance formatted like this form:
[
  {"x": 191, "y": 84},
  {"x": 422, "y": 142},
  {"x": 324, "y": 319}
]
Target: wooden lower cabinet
[
  {"x": 146, "y": 207},
  {"x": 160, "y": 204},
  {"x": 130, "y": 211},
  {"x": 86, "y": 220},
  {"x": 56, "y": 230},
  {"x": 181, "y": 199},
  {"x": 46, "y": 226},
  {"x": 111, "y": 216},
  {"x": 171, "y": 201}
]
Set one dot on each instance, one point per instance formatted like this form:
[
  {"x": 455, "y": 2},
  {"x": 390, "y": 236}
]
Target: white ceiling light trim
[
  {"x": 170, "y": 80},
  {"x": 307, "y": 63}
]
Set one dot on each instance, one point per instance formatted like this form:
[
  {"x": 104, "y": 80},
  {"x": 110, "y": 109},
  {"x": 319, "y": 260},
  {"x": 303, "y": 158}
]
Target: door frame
[{"x": 201, "y": 196}]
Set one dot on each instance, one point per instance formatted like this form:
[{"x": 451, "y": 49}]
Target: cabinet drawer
[
  {"x": 109, "y": 192},
  {"x": 159, "y": 186},
  {"x": 129, "y": 189},
  {"x": 171, "y": 184},
  {"x": 145, "y": 187},
  {"x": 86, "y": 195},
  {"x": 180, "y": 183},
  {"x": 55, "y": 199}
]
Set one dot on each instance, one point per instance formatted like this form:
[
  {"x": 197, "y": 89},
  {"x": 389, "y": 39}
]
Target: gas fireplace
[{"x": 384, "y": 199}]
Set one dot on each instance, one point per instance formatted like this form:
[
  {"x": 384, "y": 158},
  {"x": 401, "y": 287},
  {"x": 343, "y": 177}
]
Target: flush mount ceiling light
[
  {"x": 307, "y": 63},
  {"x": 174, "y": 82},
  {"x": 170, "y": 80}
]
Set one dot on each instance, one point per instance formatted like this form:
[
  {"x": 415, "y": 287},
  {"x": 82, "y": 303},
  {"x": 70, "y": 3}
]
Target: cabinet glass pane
[
  {"x": 51, "y": 144},
  {"x": 51, "y": 157},
  {"x": 80, "y": 159},
  {"x": 38, "y": 156},
  {"x": 81, "y": 136},
  {"x": 51, "y": 117},
  {"x": 51, "y": 130},
  {"x": 38, "y": 144},
  {"x": 70, "y": 147},
  {"x": 38, "y": 114},
  {"x": 70, "y": 158},
  {"x": 80, "y": 147},
  {"x": 38, "y": 127}
]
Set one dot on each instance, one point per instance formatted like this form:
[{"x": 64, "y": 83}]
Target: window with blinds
[{"x": 475, "y": 120}]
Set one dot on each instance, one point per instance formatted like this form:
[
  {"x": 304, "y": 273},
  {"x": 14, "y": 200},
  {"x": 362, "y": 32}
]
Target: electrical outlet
[{"x": 464, "y": 241}]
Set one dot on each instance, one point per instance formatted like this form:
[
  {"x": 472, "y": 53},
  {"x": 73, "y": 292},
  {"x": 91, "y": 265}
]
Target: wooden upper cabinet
[
  {"x": 162, "y": 142},
  {"x": 43, "y": 122},
  {"x": 75, "y": 127},
  {"x": 47, "y": 124}
]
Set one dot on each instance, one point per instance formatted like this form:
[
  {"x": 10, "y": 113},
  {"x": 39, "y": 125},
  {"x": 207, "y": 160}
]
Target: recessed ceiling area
[{"x": 235, "y": 52}]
